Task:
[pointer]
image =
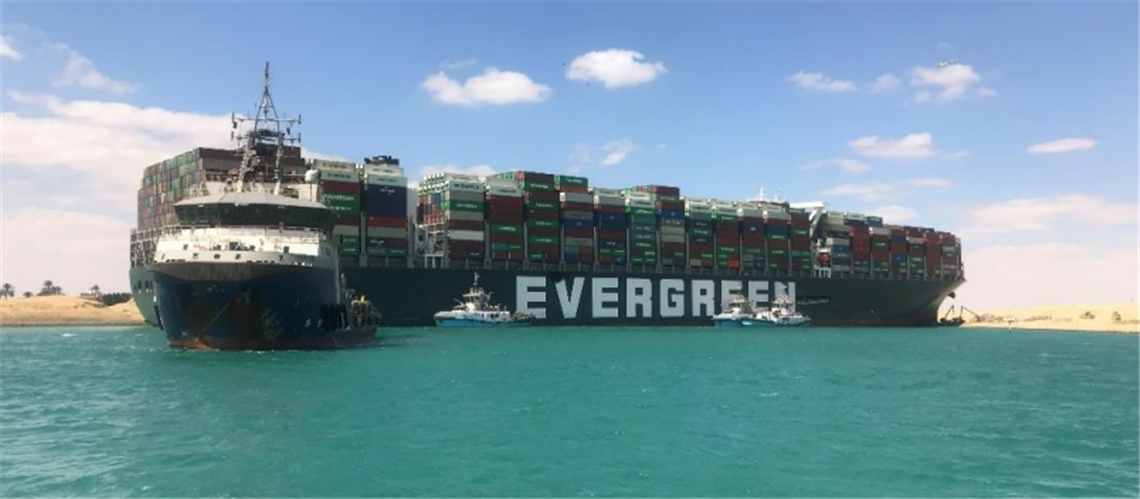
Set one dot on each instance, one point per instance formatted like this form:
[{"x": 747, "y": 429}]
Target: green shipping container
[
  {"x": 648, "y": 213},
  {"x": 800, "y": 232},
  {"x": 728, "y": 250},
  {"x": 643, "y": 244},
  {"x": 472, "y": 206},
  {"x": 571, "y": 180},
  {"x": 505, "y": 228},
  {"x": 349, "y": 245},
  {"x": 801, "y": 253},
  {"x": 543, "y": 205},
  {"x": 537, "y": 187},
  {"x": 543, "y": 240},
  {"x": 777, "y": 237},
  {"x": 777, "y": 252},
  {"x": 643, "y": 229},
  {"x": 650, "y": 219},
  {"x": 542, "y": 224},
  {"x": 345, "y": 204}
]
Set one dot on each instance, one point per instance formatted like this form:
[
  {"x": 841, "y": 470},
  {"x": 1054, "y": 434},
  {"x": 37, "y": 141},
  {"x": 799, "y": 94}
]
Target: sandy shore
[
  {"x": 66, "y": 311},
  {"x": 1065, "y": 317}
]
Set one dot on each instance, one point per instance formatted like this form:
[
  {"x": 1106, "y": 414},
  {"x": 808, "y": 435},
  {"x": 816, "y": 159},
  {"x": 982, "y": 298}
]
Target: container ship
[{"x": 569, "y": 253}]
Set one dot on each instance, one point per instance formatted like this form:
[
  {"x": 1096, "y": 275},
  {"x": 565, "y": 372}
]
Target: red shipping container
[
  {"x": 579, "y": 232},
  {"x": 752, "y": 239},
  {"x": 547, "y": 196},
  {"x": 394, "y": 222},
  {"x": 342, "y": 187},
  {"x": 504, "y": 200},
  {"x": 504, "y": 210},
  {"x": 800, "y": 243},
  {"x": 727, "y": 241},
  {"x": 605, "y": 208},
  {"x": 582, "y": 207},
  {"x": 541, "y": 214},
  {"x": 506, "y": 237},
  {"x": 539, "y": 231},
  {"x": 533, "y": 176},
  {"x": 506, "y": 219},
  {"x": 465, "y": 225},
  {"x": 670, "y": 205},
  {"x": 727, "y": 226},
  {"x": 612, "y": 235},
  {"x": 507, "y": 256},
  {"x": 348, "y": 220}
]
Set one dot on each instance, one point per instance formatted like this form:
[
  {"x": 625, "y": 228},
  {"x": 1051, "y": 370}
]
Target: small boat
[
  {"x": 738, "y": 313},
  {"x": 476, "y": 310},
  {"x": 781, "y": 315},
  {"x": 741, "y": 313}
]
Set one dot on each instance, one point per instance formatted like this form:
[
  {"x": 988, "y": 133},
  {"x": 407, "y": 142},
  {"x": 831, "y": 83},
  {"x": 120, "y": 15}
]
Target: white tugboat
[
  {"x": 476, "y": 310},
  {"x": 740, "y": 313}
]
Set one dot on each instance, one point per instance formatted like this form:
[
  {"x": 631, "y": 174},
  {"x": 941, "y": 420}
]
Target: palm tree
[
  {"x": 9, "y": 291},
  {"x": 48, "y": 288},
  {"x": 95, "y": 291},
  {"x": 27, "y": 294}
]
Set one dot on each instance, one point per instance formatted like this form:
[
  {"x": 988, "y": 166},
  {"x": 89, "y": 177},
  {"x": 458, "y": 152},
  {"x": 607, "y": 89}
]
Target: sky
[{"x": 1012, "y": 124}]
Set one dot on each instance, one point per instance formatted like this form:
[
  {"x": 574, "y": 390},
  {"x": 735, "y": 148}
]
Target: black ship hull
[
  {"x": 247, "y": 306},
  {"x": 411, "y": 296}
]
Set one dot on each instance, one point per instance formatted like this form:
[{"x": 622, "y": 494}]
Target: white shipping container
[
  {"x": 383, "y": 170},
  {"x": 511, "y": 191},
  {"x": 750, "y": 212},
  {"x": 465, "y": 235},
  {"x": 447, "y": 177},
  {"x": 579, "y": 241},
  {"x": 469, "y": 216},
  {"x": 340, "y": 175},
  {"x": 500, "y": 182},
  {"x": 639, "y": 195},
  {"x": 462, "y": 185},
  {"x": 388, "y": 232},
  {"x": 776, "y": 215},
  {"x": 599, "y": 191},
  {"x": 672, "y": 238},
  {"x": 575, "y": 197},
  {"x": 673, "y": 231},
  {"x": 386, "y": 180},
  {"x": 609, "y": 201},
  {"x": 324, "y": 164},
  {"x": 880, "y": 231}
]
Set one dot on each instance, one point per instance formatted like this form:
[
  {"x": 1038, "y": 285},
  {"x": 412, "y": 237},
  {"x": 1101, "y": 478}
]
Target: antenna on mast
[{"x": 270, "y": 134}]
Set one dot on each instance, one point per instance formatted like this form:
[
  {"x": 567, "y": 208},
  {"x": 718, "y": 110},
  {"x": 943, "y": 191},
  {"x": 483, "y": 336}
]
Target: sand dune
[
  {"x": 1066, "y": 317},
  {"x": 66, "y": 311}
]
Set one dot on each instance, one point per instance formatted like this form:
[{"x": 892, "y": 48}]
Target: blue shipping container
[
  {"x": 777, "y": 229},
  {"x": 578, "y": 224},
  {"x": 386, "y": 201},
  {"x": 671, "y": 213},
  {"x": 756, "y": 228}
]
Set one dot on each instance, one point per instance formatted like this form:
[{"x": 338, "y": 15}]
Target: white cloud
[
  {"x": 1050, "y": 213},
  {"x": 106, "y": 143},
  {"x": 463, "y": 64},
  {"x": 1092, "y": 274},
  {"x": 883, "y": 83},
  {"x": 81, "y": 71},
  {"x": 493, "y": 87},
  {"x": 929, "y": 182},
  {"x": 953, "y": 81},
  {"x": 615, "y": 68},
  {"x": 874, "y": 191},
  {"x": 616, "y": 151},
  {"x": 846, "y": 164},
  {"x": 7, "y": 51},
  {"x": 987, "y": 92},
  {"x": 481, "y": 170},
  {"x": 895, "y": 214},
  {"x": 915, "y": 145},
  {"x": 1062, "y": 145},
  {"x": 819, "y": 82},
  {"x": 880, "y": 191},
  {"x": 62, "y": 245}
]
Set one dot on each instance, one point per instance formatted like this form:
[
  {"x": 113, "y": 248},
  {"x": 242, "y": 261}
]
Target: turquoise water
[{"x": 575, "y": 412}]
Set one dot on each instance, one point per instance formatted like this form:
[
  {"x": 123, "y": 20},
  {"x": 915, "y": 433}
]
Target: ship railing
[{"x": 467, "y": 264}]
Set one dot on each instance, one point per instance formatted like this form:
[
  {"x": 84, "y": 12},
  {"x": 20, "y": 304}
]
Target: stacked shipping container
[
  {"x": 504, "y": 216},
  {"x": 340, "y": 192},
  {"x": 642, "y": 216},
  {"x": 776, "y": 233},
  {"x": 726, "y": 229},
  {"x": 610, "y": 222},
  {"x": 670, "y": 211},
  {"x": 702, "y": 247},
  {"x": 799, "y": 239},
  {"x": 577, "y": 218},
  {"x": 386, "y": 209},
  {"x": 452, "y": 207},
  {"x": 753, "y": 251},
  {"x": 540, "y": 212}
]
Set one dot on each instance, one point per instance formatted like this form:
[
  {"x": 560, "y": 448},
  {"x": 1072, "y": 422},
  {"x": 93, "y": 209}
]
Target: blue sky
[{"x": 712, "y": 106}]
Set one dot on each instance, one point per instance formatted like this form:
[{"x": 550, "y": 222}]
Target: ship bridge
[{"x": 254, "y": 209}]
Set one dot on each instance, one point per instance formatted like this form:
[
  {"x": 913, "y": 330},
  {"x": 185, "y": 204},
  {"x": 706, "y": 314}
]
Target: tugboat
[
  {"x": 476, "y": 310},
  {"x": 740, "y": 313},
  {"x": 250, "y": 268}
]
